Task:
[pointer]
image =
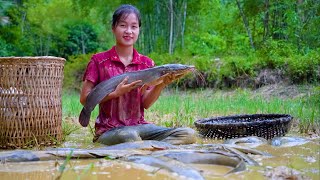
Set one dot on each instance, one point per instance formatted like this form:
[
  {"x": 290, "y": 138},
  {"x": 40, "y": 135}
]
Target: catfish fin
[{"x": 84, "y": 117}]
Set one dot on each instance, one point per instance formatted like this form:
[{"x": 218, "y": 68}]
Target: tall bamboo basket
[{"x": 30, "y": 101}]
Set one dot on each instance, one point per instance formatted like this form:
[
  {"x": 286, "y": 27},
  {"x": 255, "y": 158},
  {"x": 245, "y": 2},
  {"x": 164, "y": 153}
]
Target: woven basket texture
[
  {"x": 30, "y": 101},
  {"x": 261, "y": 125}
]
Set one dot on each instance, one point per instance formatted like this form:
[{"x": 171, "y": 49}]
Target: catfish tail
[{"x": 84, "y": 117}]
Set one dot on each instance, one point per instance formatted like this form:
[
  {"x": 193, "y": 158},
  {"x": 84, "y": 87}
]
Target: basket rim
[
  {"x": 31, "y": 58},
  {"x": 281, "y": 118}
]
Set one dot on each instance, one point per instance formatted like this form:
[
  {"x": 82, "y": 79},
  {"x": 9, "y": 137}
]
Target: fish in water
[
  {"x": 150, "y": 145},
  {"x": 250, "y": 141},
  {"x": 288, "y": 141},
  {"x": 238, "y": 151},
  {"x": 168, "y": 164},
  {"x": 180, "y": 161},
  {"x": 204, "y": 157},
  {"x": 177, "y": 159},
  {"x": 148, "y": 77},
  {"x": 116, "y": 151}
]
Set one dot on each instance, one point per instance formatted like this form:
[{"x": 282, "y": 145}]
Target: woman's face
[{"x": 127, "y": 30}]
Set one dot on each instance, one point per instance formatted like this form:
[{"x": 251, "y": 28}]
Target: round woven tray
[{"x": 227, "y": 127}]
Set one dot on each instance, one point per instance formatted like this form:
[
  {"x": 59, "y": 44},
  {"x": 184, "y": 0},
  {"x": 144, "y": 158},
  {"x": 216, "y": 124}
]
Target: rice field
[{"x": 176, "y": 108}]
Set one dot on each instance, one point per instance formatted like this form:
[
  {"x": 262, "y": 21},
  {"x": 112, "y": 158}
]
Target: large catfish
[{"x": 148, "y": 77}]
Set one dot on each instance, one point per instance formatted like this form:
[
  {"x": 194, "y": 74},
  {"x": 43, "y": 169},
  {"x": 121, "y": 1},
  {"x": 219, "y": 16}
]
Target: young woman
[{"x": 121, "y": 113}]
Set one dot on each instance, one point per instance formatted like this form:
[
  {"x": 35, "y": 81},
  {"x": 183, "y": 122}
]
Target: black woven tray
[{"x": 227, "y": 127}]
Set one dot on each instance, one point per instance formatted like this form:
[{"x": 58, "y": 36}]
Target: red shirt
[{"x": 126, "y": 110}]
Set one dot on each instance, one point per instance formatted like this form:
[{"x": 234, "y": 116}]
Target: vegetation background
[{"x": 232, "y": 43}]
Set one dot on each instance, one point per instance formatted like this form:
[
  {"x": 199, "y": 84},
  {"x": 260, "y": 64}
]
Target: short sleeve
[
  {"x": 91, "y": 72},
  {"x": 148, "y": 61}
]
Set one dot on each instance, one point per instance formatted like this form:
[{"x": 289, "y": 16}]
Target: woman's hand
[
  {"x": 150, "y": 96},
  {"x": 170, "y": 77},
  {"x": 124, "y": 88}
]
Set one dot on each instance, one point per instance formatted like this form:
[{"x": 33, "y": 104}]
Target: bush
[
  {"x": 5, "y": 48},
  {"x": 74, "y": 70},
  {"x": 205, "y": 44},
  {"x": 161, "y": 59},
  {"x": 304, "y": 68}
]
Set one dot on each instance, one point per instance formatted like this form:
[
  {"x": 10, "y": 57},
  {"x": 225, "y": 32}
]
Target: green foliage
[
  {"x": 82, "y": 39},
  {"x": 238, "y": 66},
  {"x": 253, "y": 7},
  {"x": 13, "y": 41},
  {"x": 5, "y": 48},
  {"x": 165, "y": 58},
  {"x": 4, "y": 6},
  {"x": 273, "y": 54},
  {"x": 50, "y": 16},
  {"x": 203, "y": 63},
  {"x": 297, "y": 67},
  {"x": 205, "y": 44},
  {"x": 161, "y": 59},
  {"x": 71, "y": 107},
  {"x": 277, "y": 48},
  {"x": 238, "y": 45},
  {"x": 309, "y": 111},
  {"x": 208, "y": 34},
  {"x": 73, "y": 72},
  {"x": 304, "y": 68}
]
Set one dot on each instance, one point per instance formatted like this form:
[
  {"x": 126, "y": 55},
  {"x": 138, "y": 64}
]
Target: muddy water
[
  {"x": 304, "y": 158},
  {"x": 76, "y": 169}
]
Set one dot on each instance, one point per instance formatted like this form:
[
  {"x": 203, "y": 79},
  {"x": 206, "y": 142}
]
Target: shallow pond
[{"x": 303, "y": 158}]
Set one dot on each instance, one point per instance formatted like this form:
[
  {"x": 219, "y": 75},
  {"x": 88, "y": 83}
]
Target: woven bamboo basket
[
  {"x": 30, "y": 101},
  {"x": 261, "y": 125}
]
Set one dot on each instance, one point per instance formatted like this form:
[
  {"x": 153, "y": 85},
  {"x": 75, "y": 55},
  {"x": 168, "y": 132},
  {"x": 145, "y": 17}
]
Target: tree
[
  {"x": 82, "y": 39},
  {"x": 4, "y": 6},
  {"x": 171, "y": 27},
  {"x": 246, "y": 23}
]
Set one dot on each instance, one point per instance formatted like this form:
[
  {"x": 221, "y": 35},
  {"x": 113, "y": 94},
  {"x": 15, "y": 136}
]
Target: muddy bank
[{"x": 300, "y": 161}]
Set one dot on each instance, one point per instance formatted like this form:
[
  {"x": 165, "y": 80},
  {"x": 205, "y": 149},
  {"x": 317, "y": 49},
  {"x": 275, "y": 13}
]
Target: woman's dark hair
[{"x": 123, "y": 11}]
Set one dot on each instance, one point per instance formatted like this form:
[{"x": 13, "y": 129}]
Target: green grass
[
  {"x": 71, "y": 106},
  {"x": 177, "y": 108}
]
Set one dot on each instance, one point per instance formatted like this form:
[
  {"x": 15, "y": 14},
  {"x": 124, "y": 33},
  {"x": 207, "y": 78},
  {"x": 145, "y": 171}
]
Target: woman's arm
[
  {"x": 87, "y": 86},
  {"x": 121, "y": 89},
  {"x": 151, "y": 96}
]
